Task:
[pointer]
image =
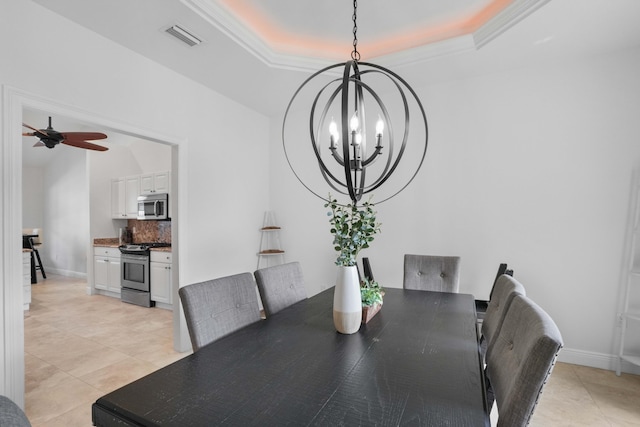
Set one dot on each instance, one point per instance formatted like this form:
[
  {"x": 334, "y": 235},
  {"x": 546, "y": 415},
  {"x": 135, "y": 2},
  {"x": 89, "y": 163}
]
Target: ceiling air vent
[{"x": 183, "y": 35}]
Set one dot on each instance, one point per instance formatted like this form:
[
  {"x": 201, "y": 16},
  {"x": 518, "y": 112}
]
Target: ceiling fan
[{"x": 50, "y": 138}]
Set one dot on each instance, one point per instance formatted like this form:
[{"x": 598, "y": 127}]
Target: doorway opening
[{"x": 15, "y": 104}]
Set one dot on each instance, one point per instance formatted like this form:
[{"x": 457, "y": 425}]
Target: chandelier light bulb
[
  {"x": 333, "y": 131},
  {"x": 379, "y": 126},
  {"x": 354, "y": 123}
]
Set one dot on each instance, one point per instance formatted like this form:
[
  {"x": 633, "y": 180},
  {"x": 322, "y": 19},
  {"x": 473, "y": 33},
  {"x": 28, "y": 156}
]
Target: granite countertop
[
  {"x": 114, "y": 242},
  {"x": 109, "y": 242}
]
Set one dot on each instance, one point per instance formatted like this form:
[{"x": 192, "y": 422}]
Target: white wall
[
  {"x": 531, "y": 167},
  {"x": 66, "y": 214},
  {"x": 223, "y": 190},
  {"x": 32, "y": 197},
  {"x": 151, "y": 156},
  {"x": 55, "y": 199}
]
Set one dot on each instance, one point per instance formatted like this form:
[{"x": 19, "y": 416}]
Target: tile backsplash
[{"x": 150, "y": 231}]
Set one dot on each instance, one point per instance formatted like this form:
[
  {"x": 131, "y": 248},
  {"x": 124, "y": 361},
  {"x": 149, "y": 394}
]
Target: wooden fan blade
[
  {"x": 83, "y": 136},
  {"x": 85, "y": 145},
  {"x": 28, "y": 134},
  {"x": 29, "y": 127},
  {"x": 37, "y": 131}
]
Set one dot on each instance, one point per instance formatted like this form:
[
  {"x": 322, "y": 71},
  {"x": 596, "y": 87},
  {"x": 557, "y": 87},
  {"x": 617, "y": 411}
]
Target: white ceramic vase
[{"x": 347, "y": 303}]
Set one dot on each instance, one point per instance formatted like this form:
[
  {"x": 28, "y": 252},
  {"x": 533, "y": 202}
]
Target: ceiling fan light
[{"x": 183, "y": 35}]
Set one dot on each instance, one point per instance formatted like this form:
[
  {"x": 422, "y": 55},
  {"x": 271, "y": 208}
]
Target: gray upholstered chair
[
  {"x": 432, "y": 273},
  {"x": 504, "y": 290},
  {"x": 219, "y": 307},
  {"x": 280, "y": 286},
  {"x": 520, "y": 359},
  {"x": 11, "y": 415}
]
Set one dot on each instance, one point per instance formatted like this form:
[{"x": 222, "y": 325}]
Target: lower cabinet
[
  {"x": 160, "y": 274},
  {"x": 106, "y": 269}
]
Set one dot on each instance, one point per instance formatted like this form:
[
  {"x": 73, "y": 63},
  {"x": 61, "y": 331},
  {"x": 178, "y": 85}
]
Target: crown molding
[
  {"x": 506, "y": 19},
  {"x": 418, "y": 55},
  {"x": 222, "y": 19}
]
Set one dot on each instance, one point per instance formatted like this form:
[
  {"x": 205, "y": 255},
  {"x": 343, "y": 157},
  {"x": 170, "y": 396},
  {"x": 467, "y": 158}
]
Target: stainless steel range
[{"x": 135, "y": 273}]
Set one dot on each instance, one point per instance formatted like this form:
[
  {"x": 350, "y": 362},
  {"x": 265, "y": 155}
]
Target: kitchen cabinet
[
  {"x": 124, "y": 197},
  {"x": 159, "y": 182},
  {"x": 117, "y": 198},
  {"x": 161, "y": 279},
  {"x": 106, "y": 269}
]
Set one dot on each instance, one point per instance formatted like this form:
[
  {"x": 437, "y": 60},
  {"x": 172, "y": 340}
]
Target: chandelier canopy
[{"x": 358, "y": 139}]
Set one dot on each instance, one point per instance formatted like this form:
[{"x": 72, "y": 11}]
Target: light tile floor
[{"x": 80, "y": 347}]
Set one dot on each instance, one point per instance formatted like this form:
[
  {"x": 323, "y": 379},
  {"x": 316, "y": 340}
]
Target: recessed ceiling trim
[
  {"x": 428, "y": 52},
  {"x": 506, "y": 19},
  {"x": 225, "y": 21}
]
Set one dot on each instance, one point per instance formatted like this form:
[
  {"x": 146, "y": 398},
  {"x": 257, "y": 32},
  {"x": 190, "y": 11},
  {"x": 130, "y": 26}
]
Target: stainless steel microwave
[{"x": 153, "y": 206}]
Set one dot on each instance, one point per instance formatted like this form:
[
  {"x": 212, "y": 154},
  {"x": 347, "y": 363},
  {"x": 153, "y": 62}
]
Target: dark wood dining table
[{"x": 415, "y": 363}]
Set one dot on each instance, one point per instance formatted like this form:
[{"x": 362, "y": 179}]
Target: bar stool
[{"x": 32, "y": 239}]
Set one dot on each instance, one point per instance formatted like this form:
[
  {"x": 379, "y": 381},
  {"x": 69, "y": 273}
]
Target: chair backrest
[
  {"x": 368, "y": 272},
  {"x": 219, "y": 307},
  {"x": 11, "y": 415},
  {"x": 432, "y": 273},
  {"x": 34, "y": 231},
  {"x": 502, "y": 269},
  {"x": 280, "y": 286},
  {"x": 520, "y": 359},
  {"x": 504, "y": 290}
]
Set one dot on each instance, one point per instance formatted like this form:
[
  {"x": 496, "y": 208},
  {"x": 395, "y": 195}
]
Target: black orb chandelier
[{"x": 338, "y": 127}]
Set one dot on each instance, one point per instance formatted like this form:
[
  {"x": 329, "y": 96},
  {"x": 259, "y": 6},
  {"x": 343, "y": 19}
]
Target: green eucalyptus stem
[{"x": 353, "y": 229}]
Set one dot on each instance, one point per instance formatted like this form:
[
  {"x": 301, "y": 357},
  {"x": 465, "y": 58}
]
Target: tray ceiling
[{"x": 298, "y": 34}]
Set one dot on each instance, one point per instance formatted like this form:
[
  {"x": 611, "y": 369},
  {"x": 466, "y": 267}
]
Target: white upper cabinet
[
  {"x": 117, "y": 199},
  {"x": 125, "y": 192},
  {"x": 131, "y": 192},
  {"x": 159, "y": 182},
  {"x": 124, "y": 197}
]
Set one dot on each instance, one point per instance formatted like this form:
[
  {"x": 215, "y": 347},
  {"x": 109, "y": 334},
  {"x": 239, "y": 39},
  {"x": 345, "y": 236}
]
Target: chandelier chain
[{"x": 355, "y": 55}]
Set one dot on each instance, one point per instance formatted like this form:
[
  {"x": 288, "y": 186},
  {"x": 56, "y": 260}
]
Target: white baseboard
[
  {"x": 66, "y": 273},
  {"x": 106, "y": 293},
  {"x": 596, "y": 360},
  {"x": 164, "y": 306}
]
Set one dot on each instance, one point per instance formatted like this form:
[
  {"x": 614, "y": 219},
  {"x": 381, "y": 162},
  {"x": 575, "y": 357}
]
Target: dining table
[{"x": 416, "y": 362}]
